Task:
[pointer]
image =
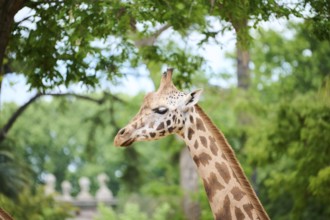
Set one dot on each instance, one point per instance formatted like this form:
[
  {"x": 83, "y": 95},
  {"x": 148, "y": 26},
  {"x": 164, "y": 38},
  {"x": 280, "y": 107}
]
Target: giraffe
[
  {"x": 4, "y": 215},
  {"x": 170, "y": 111}
]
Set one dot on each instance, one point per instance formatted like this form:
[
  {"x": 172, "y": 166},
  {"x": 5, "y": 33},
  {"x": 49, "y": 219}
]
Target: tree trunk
[
  {"x": 243, "y": 72},
  {"x": 242, "y": 52},
  {"x": 189, "y": 185},
  {"x": 8, "y": 9}
]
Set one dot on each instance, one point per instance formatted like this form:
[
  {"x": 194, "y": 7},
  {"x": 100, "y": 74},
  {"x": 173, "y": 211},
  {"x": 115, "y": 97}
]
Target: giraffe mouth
[{"x": 127, "y": 142}]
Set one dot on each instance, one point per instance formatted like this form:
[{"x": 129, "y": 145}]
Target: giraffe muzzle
[
  {"x": 123, "y": 138},
  {"x": 123, "y": 143}
]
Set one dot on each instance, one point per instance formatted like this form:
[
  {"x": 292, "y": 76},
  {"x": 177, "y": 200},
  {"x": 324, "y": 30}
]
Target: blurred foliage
[
  {"x": 282, "y": 143},
  {"x": 293, "y": 147},
  {"x": 14, "y": 171},
  {"x": 132, "y": 211},
  {"x": 35, "y": 205},
  {"x": 300, "y": 64},
  {"x": 59, "y": 145}
]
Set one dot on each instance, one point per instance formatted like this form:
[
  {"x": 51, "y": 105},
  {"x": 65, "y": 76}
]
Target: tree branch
[
  {"x": 148, "y": 41},
  {"x": 14, "y": 116},
  {"x": 4, "y": 130},
  {"x": 87, "y": 98}
]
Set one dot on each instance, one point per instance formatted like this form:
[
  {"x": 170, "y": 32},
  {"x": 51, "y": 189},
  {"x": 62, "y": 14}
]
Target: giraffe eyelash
[{"x": 160, "y": 110}]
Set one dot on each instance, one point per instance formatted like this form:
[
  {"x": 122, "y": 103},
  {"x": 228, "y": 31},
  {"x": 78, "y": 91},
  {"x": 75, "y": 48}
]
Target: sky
[{"x": 15, "y": 89}]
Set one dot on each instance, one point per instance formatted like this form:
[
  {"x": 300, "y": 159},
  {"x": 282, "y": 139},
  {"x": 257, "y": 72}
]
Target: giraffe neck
[
  {"x": 229, "y": 191},
  {"x": 4, "y": 215}
]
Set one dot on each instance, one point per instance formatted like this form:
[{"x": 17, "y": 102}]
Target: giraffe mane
[{"x": 234, "y": 163}]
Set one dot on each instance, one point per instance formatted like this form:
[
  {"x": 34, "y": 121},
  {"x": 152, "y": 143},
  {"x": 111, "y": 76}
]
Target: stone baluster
[
  {"x": 50, "y": 184},
  {"x": 84, "y": 194},
  {"x": 86, "y": 203},
  {"x": 66, "y": 189},
  {"x": 103, "y": 194}
]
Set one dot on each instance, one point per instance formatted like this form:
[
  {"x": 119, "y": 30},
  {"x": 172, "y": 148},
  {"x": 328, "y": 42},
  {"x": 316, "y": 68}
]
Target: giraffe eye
[{"x": 160, "y": 110}]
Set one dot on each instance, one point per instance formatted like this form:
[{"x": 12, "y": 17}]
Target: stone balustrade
[{"x": 84, "y": 201}]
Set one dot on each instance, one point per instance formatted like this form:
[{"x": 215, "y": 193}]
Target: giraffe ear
[{"x": 192, "y": 98}]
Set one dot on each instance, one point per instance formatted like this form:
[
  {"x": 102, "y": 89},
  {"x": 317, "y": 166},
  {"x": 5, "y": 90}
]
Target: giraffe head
[{"x": 162, "y": 113}]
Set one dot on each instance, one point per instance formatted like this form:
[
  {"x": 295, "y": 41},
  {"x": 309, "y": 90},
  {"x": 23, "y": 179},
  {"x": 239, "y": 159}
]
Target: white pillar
[
  {"x": 84, "y": 194},
  {"x": 103, "y": 194},
  {"x": 50, "y": 181},
  {"x": 66, "y": 190}
]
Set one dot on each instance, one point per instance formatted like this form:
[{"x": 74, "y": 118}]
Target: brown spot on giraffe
[
  {"x": 203, "y": 141},
  {"x": 213, "y": 146},
  {"x": 237, "y": 193},
  {"x": 200, "y": 124},
  {"x": 168, "y": 122},
  {"x": 196, "y": 144},
  {"x": 212, "y": 185},
  {"x": 239, "y": 214},
  {"x": 191, "y": 119},
  {"x": 196, "y": 160},
  {"x": 224, "y": 213},
  {"x": 160, "y": 126},
  {"x": 152, "y": 134},
  {"x": 190, "y": 133},
  {"x": 248, "y": 209},
  {"x": 223, "y": 171},
  {"x": 204, "y": 158}
]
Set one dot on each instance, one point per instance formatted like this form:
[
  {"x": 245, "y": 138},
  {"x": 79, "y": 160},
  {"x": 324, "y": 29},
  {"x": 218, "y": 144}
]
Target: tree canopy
[{"x": 64, "y": 43}]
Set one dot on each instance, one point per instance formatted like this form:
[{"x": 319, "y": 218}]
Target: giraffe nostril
[{"x": 122, "y": 131}]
